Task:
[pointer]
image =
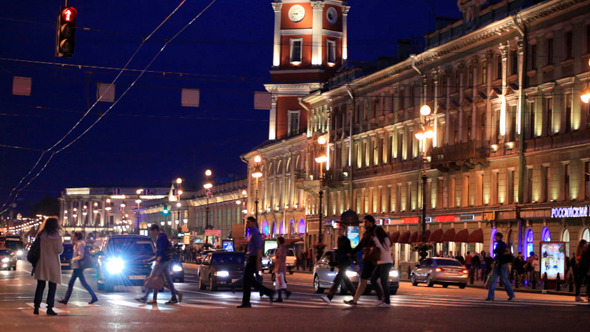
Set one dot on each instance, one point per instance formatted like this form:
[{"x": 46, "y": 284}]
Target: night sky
[{"x": 147, "y": 138}]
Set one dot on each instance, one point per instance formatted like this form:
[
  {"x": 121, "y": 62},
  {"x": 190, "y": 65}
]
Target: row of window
[{"x": 296, "y": 51}]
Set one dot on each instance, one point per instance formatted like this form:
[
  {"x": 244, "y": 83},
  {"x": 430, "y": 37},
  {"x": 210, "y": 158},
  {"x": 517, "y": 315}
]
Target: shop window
[
  {"x": 565, "y": 237},
  {"x": 265, "y": 229},
  {"x": 493, "y": 242},
  {"x": 529, "y": 243},
  {"x": 586, "y": 235},
  {"x": 545, "y": 235}
]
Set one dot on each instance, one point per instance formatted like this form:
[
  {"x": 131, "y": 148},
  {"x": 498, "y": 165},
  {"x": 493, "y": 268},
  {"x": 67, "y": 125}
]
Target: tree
[{"x": 48, "y": 206}]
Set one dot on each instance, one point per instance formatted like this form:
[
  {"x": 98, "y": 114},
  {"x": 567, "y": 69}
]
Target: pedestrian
[
  {"x": 253, "y": 265},
  {"x": 309, "y": 259},
  {"x": 48, "y": 268},
  {"x": 489, "y": 260},
  {"x": 460, "y": 258},
  {"x": 368, "y": 267},
  {"x": 476, "y": 265},
  {"x": 468, "y": 261},
  {"x": 536, "y": 267},
  {"x": 299, "y": 261},
  {"x": 518, "y": 269},
  {"x": 78, "y": 269},
  {"x": 341, "y": 262},
  {"x": 161, "y": 268},
  {"x": 280, "y": 269},
  {"x": 502, "y": 257},
  {"x": 384, "y": 265},
  {"x": 581, "y": 269}
]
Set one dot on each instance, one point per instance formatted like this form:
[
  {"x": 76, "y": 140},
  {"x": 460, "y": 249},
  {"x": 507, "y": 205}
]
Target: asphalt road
[{"x": 413, "y": 309}]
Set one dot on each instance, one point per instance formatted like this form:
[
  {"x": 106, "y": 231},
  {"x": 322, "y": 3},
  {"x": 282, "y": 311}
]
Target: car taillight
[
  {"x": 438, "y": 269},
  {"x": 465, "y": 271}
]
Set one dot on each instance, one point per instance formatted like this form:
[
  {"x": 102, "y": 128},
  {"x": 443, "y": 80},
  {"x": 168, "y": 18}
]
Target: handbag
[
  {"x": 371, "y": 254},
  {"x": 154, "y": 282}
]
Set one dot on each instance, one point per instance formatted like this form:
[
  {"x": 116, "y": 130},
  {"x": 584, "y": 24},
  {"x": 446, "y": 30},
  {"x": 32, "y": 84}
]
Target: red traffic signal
[{"x": 68, "y": 14}]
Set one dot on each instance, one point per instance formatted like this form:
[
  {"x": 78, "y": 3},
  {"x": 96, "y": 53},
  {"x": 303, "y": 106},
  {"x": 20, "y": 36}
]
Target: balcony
[{"x": 460, "y": 156}]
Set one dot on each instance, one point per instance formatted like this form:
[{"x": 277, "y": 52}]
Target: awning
[
  {"x": 393, "y": 237},
  {"x": 404, "y": 237},
  {"x": 424, "y": 237},
  {"x": 449, "y": 235},
  {"x": 414, "y": 237},
  {"x": 476, "y": 236},
  {"x": 436, "y": 236},
  {"x": 462, "y": 236}
]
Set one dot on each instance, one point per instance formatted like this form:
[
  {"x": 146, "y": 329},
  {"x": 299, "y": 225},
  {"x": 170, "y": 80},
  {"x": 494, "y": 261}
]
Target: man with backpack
[
  {"x": 502, "y": 257},
  {"x": 80, "y": 261}
]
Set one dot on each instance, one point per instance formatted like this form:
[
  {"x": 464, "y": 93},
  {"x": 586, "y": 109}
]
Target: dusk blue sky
[{"x": 148, "y": 138}]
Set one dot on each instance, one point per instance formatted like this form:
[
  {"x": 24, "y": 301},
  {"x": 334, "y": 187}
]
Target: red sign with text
[
  {"x": 413, "y": 220},
  {"x": 444, "y": 219}
]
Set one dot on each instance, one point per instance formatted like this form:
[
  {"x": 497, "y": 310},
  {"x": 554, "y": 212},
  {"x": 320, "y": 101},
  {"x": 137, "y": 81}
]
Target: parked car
[
  {"x": 324, "y": 274},
  {"x": 176, "y": 269},
  {"x": 121, "y": 261},
  {"x": 221, "y": 268},
  {"x": 439, "y": 270},
  {"x": 66, "y": 256},
  {"x": 269, "y": 258},
  {"x": 8, "y": 259}
]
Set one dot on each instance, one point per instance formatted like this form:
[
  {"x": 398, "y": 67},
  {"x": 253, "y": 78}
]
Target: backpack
[
  {"x": 35, "y": 252},
  {"x": 86, "y": 262}
]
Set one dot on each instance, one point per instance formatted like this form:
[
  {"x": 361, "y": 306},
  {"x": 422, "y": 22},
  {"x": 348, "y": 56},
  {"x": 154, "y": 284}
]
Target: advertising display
[
  {"x": 353, "y": 235},
  {"x": 227, "y": 245},
  {"x": 269, "y": 244},
  {"x": 552, "y": 259}
]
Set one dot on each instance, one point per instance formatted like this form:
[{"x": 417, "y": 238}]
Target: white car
[{"x": 268, "y": 260}]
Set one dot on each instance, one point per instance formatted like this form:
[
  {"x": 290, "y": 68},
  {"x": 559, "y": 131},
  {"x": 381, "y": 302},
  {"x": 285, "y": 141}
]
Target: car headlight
[
  {"x": 20, "y": 252},
  {"x": 351, "y": 274},
  {"x": 222, "y": 274},
  {"x": 393, "y": 273},
  {"x": 115, "y": 265},
  {"x": 5, "y": 260},
  {"x": 176, "y": 268}
]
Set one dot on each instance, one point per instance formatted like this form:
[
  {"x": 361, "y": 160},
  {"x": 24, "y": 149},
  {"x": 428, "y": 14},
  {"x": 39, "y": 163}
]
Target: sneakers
[
  {"x": 62, "y": 301},
  {"x": 579, "y": 299},
  {"x": 245, "y": 305},
  {"x": 379, "y": 302},
  {"x": 384, "y": 305},
  {"x": 152, "y": 302},
  {"x": 271, "y": 296},
  {"x": 50, "y": 312},
  {"x": 326, "y": 299},
  {"x": 489, "y": 299},
  {"x": 140, "y": 299},
  {"x": 511, "y": 298},
  {"x": 288, "y": 293},
  {"x": 93, "y": 301},
  {"x": 278, "y": 300},
  {"x": 350, "y": 302},
  {"x": 172, "y": 301}
]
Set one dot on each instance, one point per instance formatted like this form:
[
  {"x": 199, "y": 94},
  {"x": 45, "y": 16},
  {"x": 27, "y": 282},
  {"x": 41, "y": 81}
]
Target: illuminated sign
[
  {"x": 467, "y": 217},
  {"x": 386, "y": 221},
  {"x": 570, "y": 212},
  {"x": 553, "y": 259},
  {"x": 353, "y": 235},
  {"x": 444, "y": 219},
  {"x": 411, "y": 220}
]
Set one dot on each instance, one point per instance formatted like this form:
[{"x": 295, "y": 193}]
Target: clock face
[
  {"x": 332, "y": 15},
  {"x": 296, "y": 13}
]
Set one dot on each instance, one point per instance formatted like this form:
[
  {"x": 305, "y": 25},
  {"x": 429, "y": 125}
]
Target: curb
[{"x": 522, "y": 290}]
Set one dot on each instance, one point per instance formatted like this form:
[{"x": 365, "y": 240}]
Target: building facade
[{"x": 510, "y": 144}]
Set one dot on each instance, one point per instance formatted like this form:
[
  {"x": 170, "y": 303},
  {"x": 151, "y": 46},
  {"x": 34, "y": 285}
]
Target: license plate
[{"x": 137, "y": 277}]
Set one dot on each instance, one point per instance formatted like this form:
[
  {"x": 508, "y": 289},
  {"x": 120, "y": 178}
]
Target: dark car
[
  {"x": 122, "y": 261},
  {"x": 202, "y": 255},
  {"x": 176, "y": 269},
  {"x": 324, "y": 274},
  {"x": 66, "y": 256},
  {"x": 221, "y": 268},
  {"x": 7, "y": 259}
]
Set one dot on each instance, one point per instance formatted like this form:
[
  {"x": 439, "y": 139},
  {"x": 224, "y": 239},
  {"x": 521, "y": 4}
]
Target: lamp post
[
  {"x": 257, "y": 173},
  {"x": 321, "y": 159},
  {"x": 425, "y": 133},
  {"x": 208, "y": 185}
]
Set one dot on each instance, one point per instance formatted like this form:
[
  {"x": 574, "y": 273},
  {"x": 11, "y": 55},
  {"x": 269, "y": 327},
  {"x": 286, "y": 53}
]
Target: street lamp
[
  {"x": 321, "y": 159},
  {"x": 256, "y": 173},
  {"x": 208, "y": 185},
  {"x": 423, "y": 135}
]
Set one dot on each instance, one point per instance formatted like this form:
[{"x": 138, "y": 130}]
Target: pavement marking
[
  {"x": 43, "y": 309},
  {"x": 160, "y": 306}
]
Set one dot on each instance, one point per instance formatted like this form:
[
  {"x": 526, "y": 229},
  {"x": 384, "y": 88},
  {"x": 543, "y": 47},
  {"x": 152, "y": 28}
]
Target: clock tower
[{"x": 310, "y": 44}]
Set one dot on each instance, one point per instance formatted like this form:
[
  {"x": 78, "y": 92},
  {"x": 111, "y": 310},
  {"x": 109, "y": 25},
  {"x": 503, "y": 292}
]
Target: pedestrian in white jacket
[
  {"x": 48, "y": 268},
  {"x": 383, "y": 267}
]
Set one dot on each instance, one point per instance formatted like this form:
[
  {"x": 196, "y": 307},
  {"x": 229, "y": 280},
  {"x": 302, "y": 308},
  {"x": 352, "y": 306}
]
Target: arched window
[
  {"x": 265, "y": 227},
  {"x": 282, "y": 228},
  {"x": 529, "y": 242},
  {"x": 545, "y": 234},
  {"x": 565, "y": 237},
  {"x": 493, "y": 241},
  {"x": 274, "y": 228},
  {"x": 301, "y": 227},
  {"x": 586, "y": 235},
  {"x": 292, "y": 227}
]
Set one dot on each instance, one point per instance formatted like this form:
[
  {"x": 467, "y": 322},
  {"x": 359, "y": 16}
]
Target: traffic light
[{"x": 66, "y": 31}]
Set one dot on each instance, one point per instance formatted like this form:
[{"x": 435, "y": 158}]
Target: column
[
  {"x": 276, "y": 53},
  {"x": 345, "y": 11},
  {"x": 316, "y": 30}
]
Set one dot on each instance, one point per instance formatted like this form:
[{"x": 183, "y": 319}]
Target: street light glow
[
  {"x": 178, "y": 180},
  {"x": 321, "y": 140},
  {"x": 321, "y": 159},
  {"x": 139, "y": 191},
  {"x": 208, "y": 172},
  {"x": 425, "y": 110},
  {"x": 257, "y": 174},
  {"x": 208, "y": 185}
]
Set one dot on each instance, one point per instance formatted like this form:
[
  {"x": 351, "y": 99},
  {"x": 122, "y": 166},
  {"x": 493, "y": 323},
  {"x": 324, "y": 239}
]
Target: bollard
[
  {"x": 571, "y": 283},
  {"x": 471, "y": 275},
  {"x": 409, "y": 272},
  {"x": 545, "y": 281},
  {"x": 516, "y": 282},
  {"x": 534, "y": 281}
]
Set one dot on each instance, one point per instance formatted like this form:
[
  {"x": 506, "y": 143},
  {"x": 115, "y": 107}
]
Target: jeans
[
  {"x": 580, "y": 280},
  {"x": 382, "y": 273},
  {"x": 50, "y": 294},
  {"x": 501, "y": 271},
  {"x": 338, "y": 279},
  {"x": 162, "y": 269},
  {"x": 250, "y": 281},
  {"x": 78, "y": 273}
]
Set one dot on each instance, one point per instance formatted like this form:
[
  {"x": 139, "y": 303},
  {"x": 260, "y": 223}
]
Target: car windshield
[
  {"x": 131, "y": 246},
  {"x": 14, "y": 245},
  {"x": 68, "y": 248},
  {"x": 448, "y": 262},
  {"x": 5, "y": 252},
  {"x": 291, "y": 253},
  {"x": 227, "y": 259}
]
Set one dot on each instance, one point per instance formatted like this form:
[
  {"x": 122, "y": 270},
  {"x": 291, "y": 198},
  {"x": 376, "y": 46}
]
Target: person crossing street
[{"x": 501, "y": 259}]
